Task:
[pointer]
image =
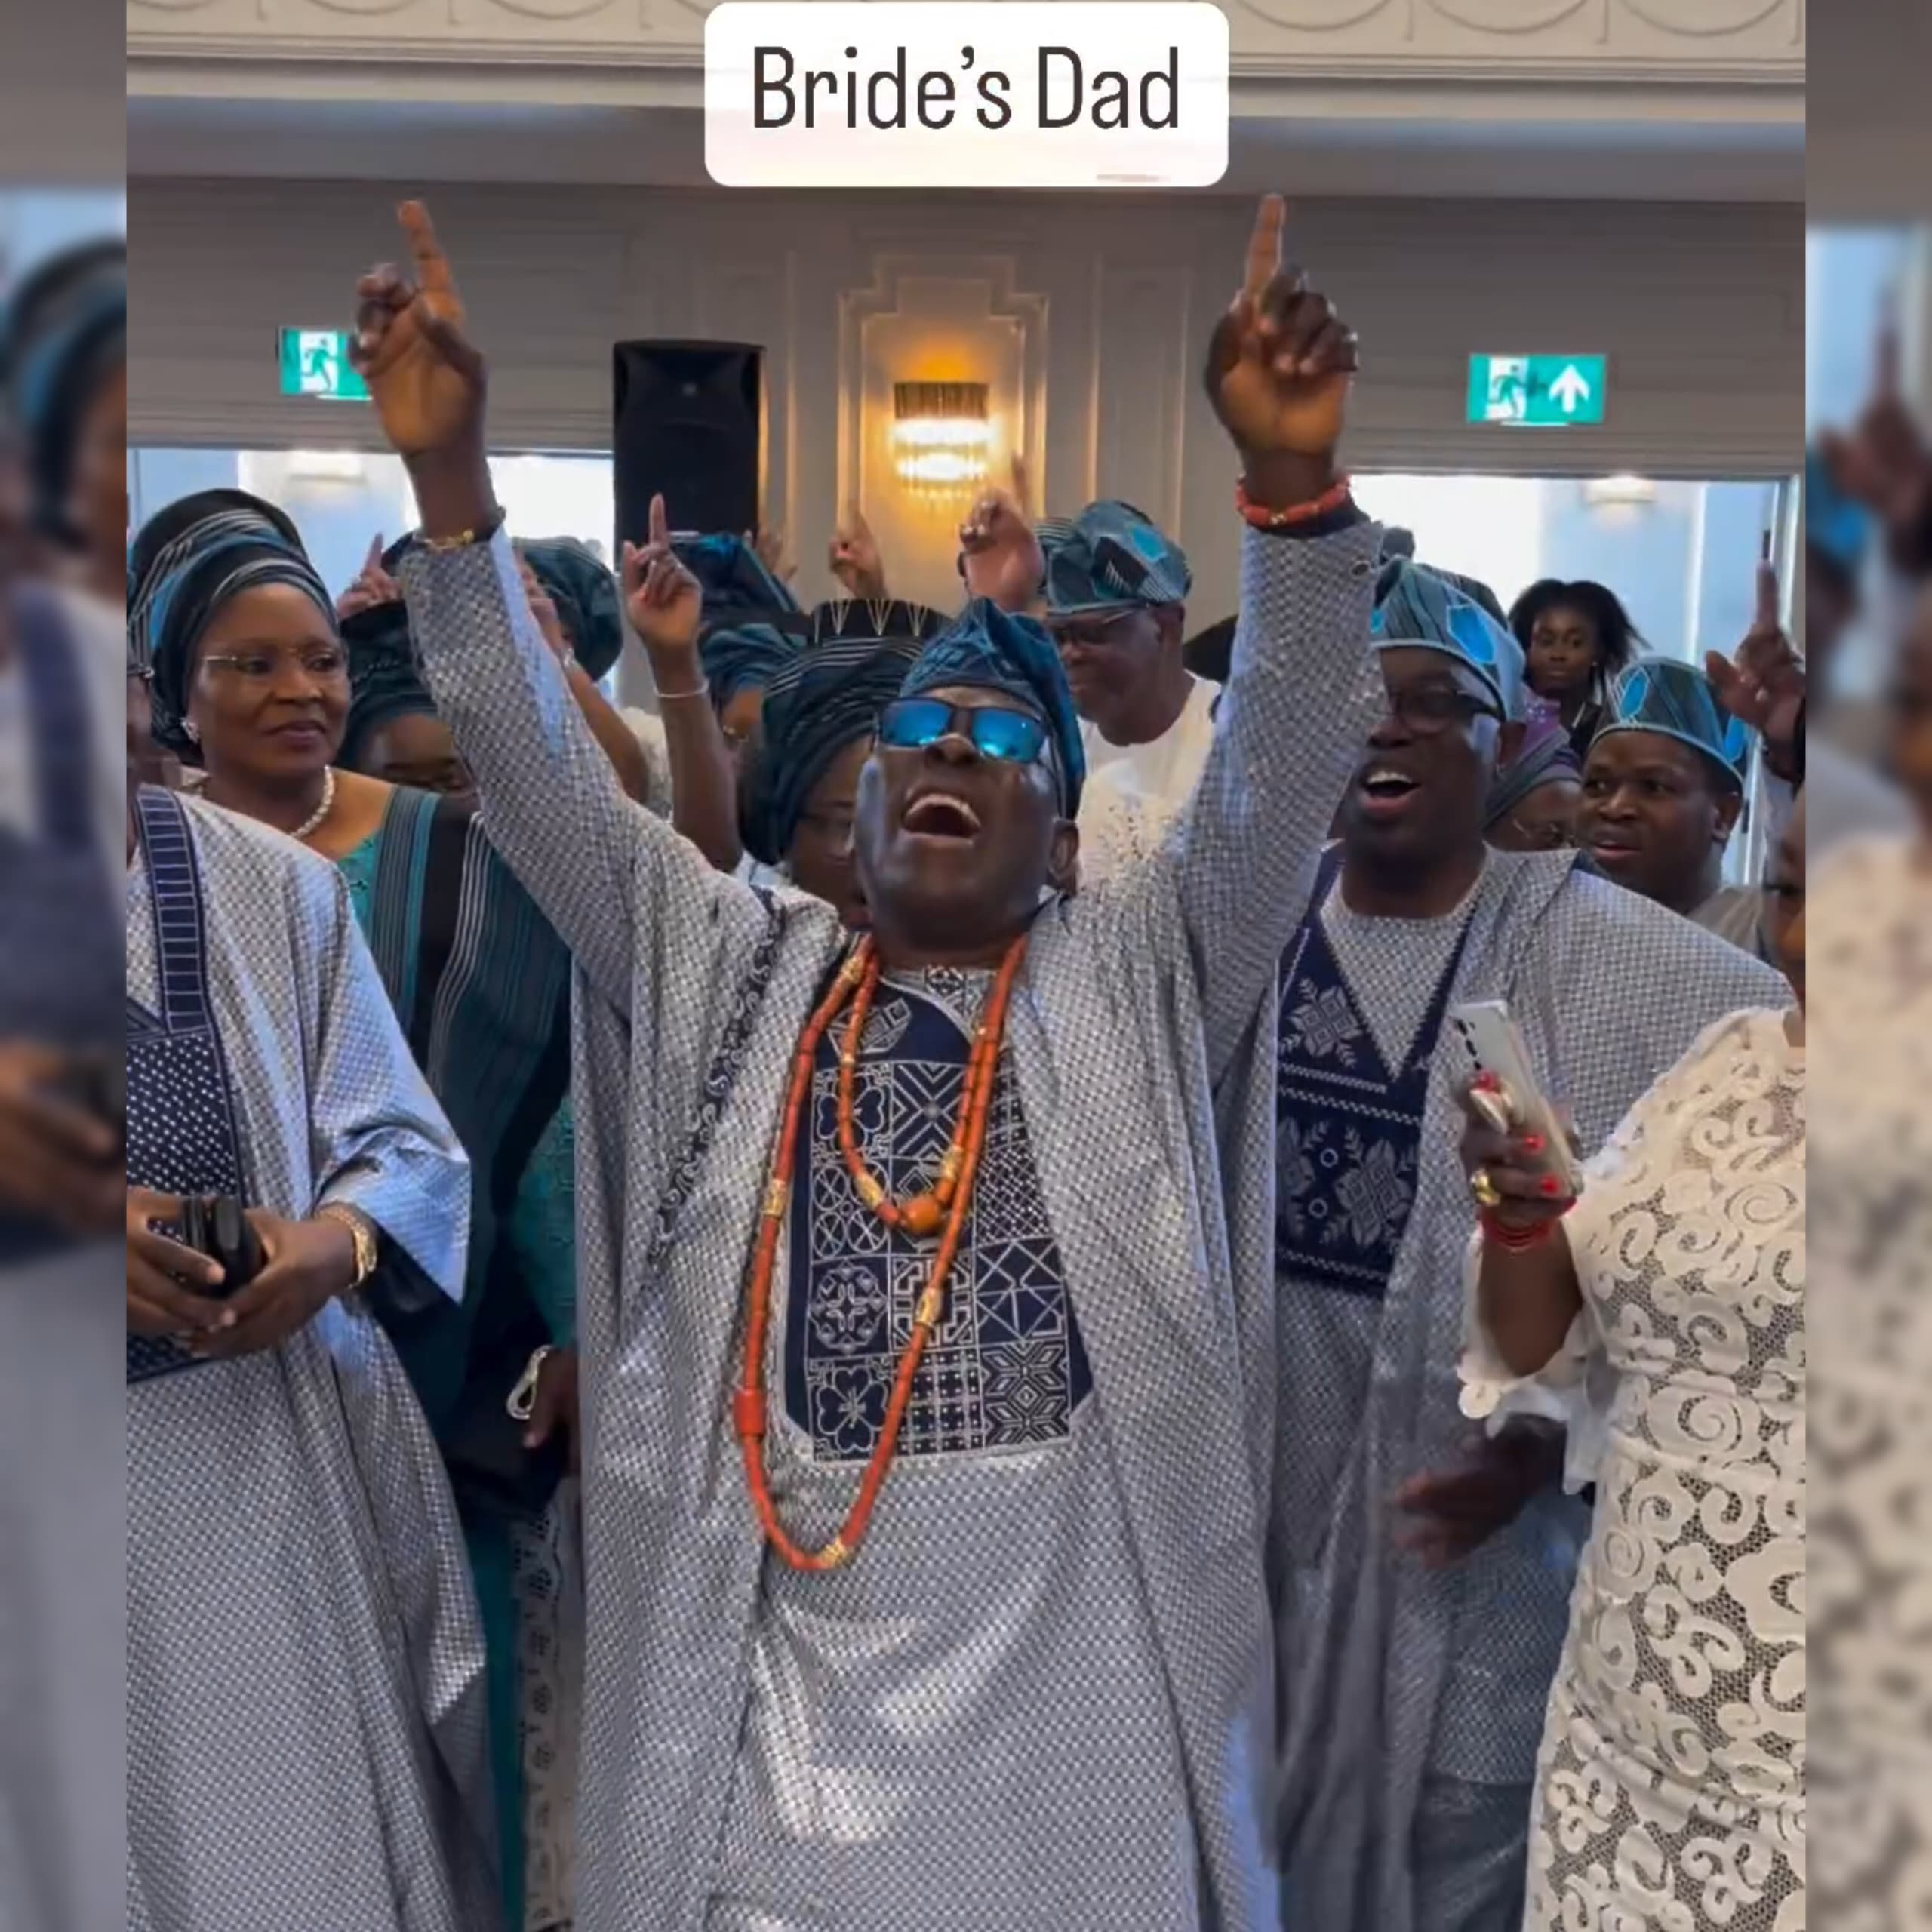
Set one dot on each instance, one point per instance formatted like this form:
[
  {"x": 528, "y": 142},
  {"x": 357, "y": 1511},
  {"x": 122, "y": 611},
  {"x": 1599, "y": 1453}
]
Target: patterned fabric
[
  {"x": 182, "y": 1136},
  {"x": 579, "y": 584},
  {"x": 738, "y": 584},
  {"x": 1671, "y": 1784},
  {"x": 986, "y": 648},
  {"x": 63, "y": 333},
  {"x": 1677, "y": 701},
  {"x": 356, "y": 1612},
  {"x": 1008, "y": 1367},
  {"x": 1143, "y": 1525},
  {"x": 1393, "y": 1675},
  {"x": 385, "y": 681},
  {"x": 1416, "y": 606},
  {"x": 1869, "y": 1223},
  {"x": 188, "y": 561},
  {"x": 1351, "y": 1124},
  {"x": 744, "y": 657},
  {"x": 815, "y": 706},
  {"x": 865, "y": 619},
  {"x": 480, "y": 981},
  {"x": 60, "y": 972},
  {"x": 1134, "y": 793},
  {"x": 1546, "y": 754},
  {"x": 1110, "y": 557}
]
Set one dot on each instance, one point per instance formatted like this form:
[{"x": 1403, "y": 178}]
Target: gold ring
[
  {"x": 1484, "y": 1189},
  {"x": 1493, "y": 1107}
]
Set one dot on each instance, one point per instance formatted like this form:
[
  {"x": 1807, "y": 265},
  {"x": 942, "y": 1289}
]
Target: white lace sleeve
[
  {"x": 1577, "y": 1385},
  {"x": 1573, "y": 1388}
]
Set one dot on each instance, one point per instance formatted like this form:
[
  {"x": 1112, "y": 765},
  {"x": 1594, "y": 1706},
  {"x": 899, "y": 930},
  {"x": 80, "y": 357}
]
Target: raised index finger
[
  {"x": 1770, "y": 616},
  {"x": 660, "y": 523},
  {"x": 432, "y": 265},
  {"x": 1890, "y": 355},
  {"x": 1264, "y": 244}
]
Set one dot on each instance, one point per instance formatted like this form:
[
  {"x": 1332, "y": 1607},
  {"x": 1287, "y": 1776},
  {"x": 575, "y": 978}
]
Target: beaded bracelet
[
  {"x": 1499, "y": 1233},
  {"x": 1335, "y": 498}
]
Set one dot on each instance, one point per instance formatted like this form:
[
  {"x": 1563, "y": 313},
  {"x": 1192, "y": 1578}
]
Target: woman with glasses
[
  {"x": 1533, "y": 803},
  {"x": 250, "y": 683}
]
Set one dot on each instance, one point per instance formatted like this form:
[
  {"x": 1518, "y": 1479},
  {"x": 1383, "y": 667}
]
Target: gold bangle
[{"x": 361, "y": 1232}]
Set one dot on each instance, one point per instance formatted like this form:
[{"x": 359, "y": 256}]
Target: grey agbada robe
[
  {"x": 306, "y": 1722},
  {"x": 693, "y": 992},
  {"x": 1388, "y": 1671}
]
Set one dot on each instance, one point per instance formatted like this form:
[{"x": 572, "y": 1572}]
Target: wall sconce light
[
  {"x": 1620, "y": 492},
  {"x": 941, "y": 437}
]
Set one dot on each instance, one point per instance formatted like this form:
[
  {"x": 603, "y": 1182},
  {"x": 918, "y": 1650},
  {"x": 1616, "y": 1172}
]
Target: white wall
[{"x": 1090, "y": 316}]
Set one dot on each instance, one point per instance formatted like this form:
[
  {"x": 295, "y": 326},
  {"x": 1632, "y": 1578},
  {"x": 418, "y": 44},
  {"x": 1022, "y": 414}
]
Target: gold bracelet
[
  {"x": 465, "y": 539},
  {"x": 360, "y": 1231}
]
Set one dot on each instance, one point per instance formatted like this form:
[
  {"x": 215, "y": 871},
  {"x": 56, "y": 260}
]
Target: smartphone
[{"x": 1489, "y": 1038}]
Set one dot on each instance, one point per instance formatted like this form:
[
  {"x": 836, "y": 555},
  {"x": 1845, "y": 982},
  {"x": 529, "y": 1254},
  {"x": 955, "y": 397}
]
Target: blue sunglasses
[{"x": 1013, "y": 737}]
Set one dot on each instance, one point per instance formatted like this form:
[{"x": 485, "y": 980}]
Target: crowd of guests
[{"x": 881, "y": 1297}]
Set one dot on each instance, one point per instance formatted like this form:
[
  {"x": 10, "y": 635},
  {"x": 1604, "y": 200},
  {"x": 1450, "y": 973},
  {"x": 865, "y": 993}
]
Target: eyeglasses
[
  {"x": 320, "y": 661},
  {"x": 1009, "y": 737},
  {"x": 1429, "y": 710}
]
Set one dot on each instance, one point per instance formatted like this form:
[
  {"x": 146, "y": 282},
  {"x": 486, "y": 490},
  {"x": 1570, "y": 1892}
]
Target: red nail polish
[
  {"x": 1484, "y": 1083},
  {"x": 1533, "y": 1142},
  {"x": 1552, "y": 1186}
]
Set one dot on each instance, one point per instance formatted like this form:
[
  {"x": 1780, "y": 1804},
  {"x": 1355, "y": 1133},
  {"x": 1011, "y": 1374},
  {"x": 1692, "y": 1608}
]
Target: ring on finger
[
  {"x": 1485, "y": 1189},
  {"x": 1494, "y": 1109}
]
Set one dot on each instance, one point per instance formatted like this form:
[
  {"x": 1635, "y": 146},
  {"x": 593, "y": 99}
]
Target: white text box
[{"x": 941, "y": 93}]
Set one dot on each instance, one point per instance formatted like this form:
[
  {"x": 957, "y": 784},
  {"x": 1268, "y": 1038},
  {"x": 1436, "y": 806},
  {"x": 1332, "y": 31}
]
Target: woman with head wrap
[
  {"x": 1576, "y": 638},
  {"x": 64, "y": 369},
  {"x": 1533, "y": 802},
  {"x": 250, "y": 681},
  {"x": 821, "y": 714}
]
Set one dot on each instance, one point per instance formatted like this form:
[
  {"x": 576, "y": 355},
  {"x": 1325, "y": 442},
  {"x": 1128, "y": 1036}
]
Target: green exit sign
[
  {"x": 1538, "y": 392},
  {"x": 316, "y": 362}
]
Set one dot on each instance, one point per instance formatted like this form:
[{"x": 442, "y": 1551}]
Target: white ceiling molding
[{"x": 1757, "y": 45}]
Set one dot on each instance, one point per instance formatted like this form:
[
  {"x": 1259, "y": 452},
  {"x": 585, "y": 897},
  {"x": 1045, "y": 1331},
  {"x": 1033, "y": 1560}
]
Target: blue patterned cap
[
  {"x": 1420, "y": 608},
  {"x": 736, "y": 583},
  {"x": 1676, "y": 700},
  {"x": 1834, "y": 525},
  {"x": 986, "y": 648},
  {"x": 579, "y": 582},
  {"x": 1110, "y": 557},
  {"x": 744, "y": 657}
]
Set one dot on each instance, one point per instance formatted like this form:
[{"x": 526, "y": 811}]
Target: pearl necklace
[{"x": 313, "y": 823}]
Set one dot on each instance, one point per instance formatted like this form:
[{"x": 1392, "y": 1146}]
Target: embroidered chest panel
[{"x": 1007, "y": 1367}]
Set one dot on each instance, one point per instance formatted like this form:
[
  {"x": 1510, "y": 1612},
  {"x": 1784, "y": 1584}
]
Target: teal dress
[{"x": 481, "y": 983}]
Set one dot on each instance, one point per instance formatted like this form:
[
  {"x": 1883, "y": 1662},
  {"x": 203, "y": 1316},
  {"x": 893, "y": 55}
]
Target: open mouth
[
  {"x": 941, "y": 815},
  {"x": 1613, "y": 851},
  {"x": 1385, "y": 790}
]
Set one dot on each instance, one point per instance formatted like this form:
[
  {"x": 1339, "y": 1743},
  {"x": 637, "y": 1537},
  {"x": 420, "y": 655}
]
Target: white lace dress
[{"x": 1670, "y": 1787}]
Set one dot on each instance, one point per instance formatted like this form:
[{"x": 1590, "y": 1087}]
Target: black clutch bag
[{"x": 218, "y": 1226}]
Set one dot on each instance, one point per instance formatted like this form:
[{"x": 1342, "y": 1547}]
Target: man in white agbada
[
  {"x": 1413, "y": 1684},
  {"x": 1116, "y": 594},
  {"x": 1032, "y": 1686}
]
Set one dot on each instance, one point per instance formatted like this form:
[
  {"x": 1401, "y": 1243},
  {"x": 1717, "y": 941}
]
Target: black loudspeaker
[{"x": 686, "y": 421}]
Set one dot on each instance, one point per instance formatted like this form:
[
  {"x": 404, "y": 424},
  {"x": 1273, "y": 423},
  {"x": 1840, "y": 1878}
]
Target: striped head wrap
[
  {"x": 63, "y": 333},
  {"x": 385, "y": 680},
  {"x": 1546, "y": 753},
  {"x": 187, "y": 561},
  {"x": 737, "y": 585},
  {"x": 580, "y": 585},
  {"x": 745, "y": 656},
  {"x": 815, "y": 706}
]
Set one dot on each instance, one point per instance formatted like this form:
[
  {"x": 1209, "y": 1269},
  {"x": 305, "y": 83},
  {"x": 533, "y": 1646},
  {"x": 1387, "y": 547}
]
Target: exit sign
[
  {"x": 1538, "y": 392},
  {"x": 316, "y": 362}
]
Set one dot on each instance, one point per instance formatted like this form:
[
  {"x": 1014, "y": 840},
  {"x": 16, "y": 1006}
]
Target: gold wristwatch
[{"x": 361, "y": 1232}]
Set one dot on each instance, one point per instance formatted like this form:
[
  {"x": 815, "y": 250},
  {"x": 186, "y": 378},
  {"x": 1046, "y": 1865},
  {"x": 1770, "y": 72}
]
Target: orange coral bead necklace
[{"x": 941, "y": 1211}]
